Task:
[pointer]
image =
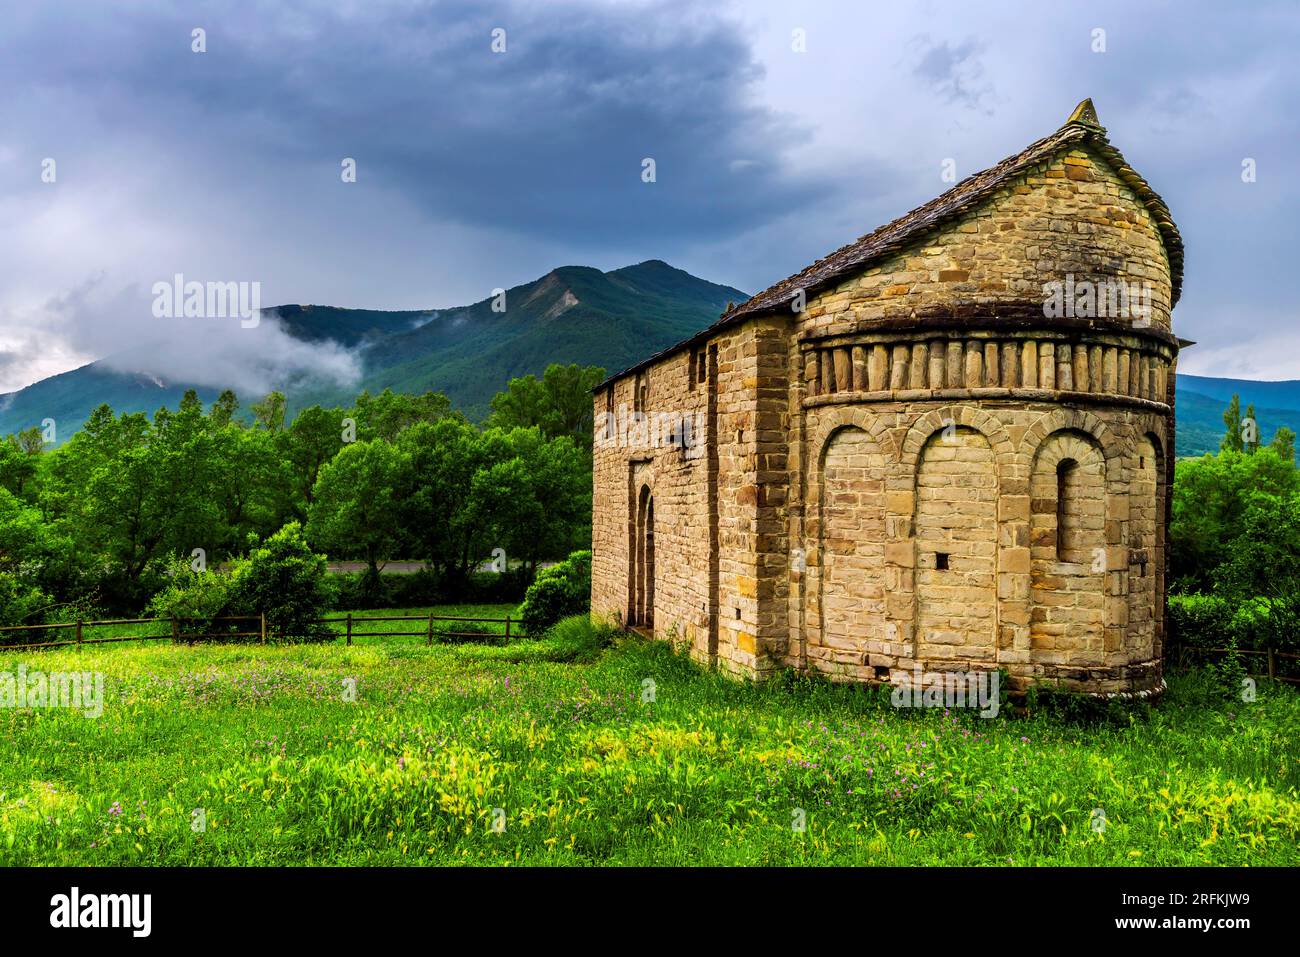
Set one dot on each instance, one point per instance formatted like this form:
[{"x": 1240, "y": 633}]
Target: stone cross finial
[{"x": 1085, "y": 114}]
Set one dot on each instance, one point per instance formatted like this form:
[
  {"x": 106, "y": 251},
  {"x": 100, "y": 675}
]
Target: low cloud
[{"x": 120, "y": 326}]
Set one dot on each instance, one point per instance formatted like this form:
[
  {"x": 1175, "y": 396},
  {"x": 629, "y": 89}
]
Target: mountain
[{"x": 572, "y": 314}]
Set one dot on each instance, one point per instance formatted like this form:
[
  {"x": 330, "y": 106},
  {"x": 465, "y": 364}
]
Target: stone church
[{"x": 948, "y": 444}]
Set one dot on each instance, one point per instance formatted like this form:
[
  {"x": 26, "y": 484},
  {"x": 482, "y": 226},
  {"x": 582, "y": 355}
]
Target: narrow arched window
[{"x": 1067, "y": 506}]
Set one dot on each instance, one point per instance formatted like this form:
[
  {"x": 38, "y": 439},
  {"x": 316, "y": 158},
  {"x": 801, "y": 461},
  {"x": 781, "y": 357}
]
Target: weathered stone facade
[{"x": 907, "y": 455}]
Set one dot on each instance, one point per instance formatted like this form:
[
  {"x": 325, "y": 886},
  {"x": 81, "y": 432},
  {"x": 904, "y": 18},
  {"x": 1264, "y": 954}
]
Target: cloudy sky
[{"x": 778, "y": 130}]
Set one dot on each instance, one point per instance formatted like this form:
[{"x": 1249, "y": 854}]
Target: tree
[
  {"x": 444, "y": 523},
  {"x": 1209, "y": 507},
  {"x": 313, "y": 439},
  {"x": 1232, "y": 441},
  {"x": 535, "y": 494},
  {"x": 31, "y": 441},
  {"x": 354, "y": 506},
  {"x": 269, "y": 413},
  {"x": 1284, "y": 444},
  {"x": 389, "y": 414},
  {"x": 224, "y": 409},
  {"x": 132, "y": 493},
  {"x": 35, "y": 561},
  {"x": 252, "y": 487},
  {"x": 1263, "y": 565},
  {"x": 560, "y": 404},
  {"x": 18, "y": 465}
]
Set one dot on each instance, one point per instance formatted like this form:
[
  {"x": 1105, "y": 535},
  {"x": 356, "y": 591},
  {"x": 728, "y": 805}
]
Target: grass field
[{"x": 558, "y": 734}]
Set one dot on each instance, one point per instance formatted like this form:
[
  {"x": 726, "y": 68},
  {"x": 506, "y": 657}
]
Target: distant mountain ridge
[{"x": 572, "y": 314}]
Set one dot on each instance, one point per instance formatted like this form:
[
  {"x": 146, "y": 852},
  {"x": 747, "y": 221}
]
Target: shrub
[
  {"x": 1199, "y": 621},
  {"x": 466, "y": 632},
  {"x": 285, "y": 579},
  {"x": 281, "y": 578},
  {"x": 427, "y": 587},
  {"x": 20, "y": 604},
  {"x": 558, "y": 591},
  {"x": 414, "y": 590},
  {"x": 362, "y": 590},
  {"x": 197, "y": 598}
]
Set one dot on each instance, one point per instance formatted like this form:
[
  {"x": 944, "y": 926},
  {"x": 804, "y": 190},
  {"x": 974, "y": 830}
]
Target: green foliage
[
  {"x": 1200, "y": 620},
  {"x": 389, "y": 414},
  {"x": 466, "y": 632},
  {"x": 197, "y": 599},
  {"x": 427, "y": 587},
  {"x": 578, "y": 638},
  {"x": 1210, "y": 503},
  {"x": 286, "y": 580},
  {"x": 1262, "y": 570},
  {"x": 354, "y": 509},
  {"x": 558, "y": 592},
  {"x": 20, "y": 604},
  {"x": 559, "y": 403},
  {"x": 1232, "y": 437},
  {"x": 1284, "y": 444},
  {"x": 281, "y": 578},
  {"x": 18, "y": 464},
  {"x": 269, "y": 413}
]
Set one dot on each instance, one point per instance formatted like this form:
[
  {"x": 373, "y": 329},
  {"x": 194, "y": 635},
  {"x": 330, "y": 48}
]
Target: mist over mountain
[{"x": 327, "y": 354}]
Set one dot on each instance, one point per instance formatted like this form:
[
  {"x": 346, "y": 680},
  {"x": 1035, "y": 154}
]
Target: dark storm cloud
[
  {"x": 479, "y": 170},
  {"x": 546, "y": 138}
]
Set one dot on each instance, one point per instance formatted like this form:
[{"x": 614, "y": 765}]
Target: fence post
[
  {"x": 176, "y": 629},
  {"x": 507, "y": 629},
  {"x": 263, "y": 627},
  {"x": 429, "y": 640},
  {"x": 349, "y": 628},
  {"x": 1272, "y": 670},
  {"x": 1270, "y": 660}
]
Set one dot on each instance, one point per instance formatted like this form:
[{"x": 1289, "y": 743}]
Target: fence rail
[
  {"x": 177, "y": 635},
  {"x": 1271, "y": 670}
]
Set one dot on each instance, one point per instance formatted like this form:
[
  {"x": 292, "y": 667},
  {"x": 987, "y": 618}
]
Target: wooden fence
[
  {"x": 177, "y": 634},
  {"x": 1270, "y": 665}
]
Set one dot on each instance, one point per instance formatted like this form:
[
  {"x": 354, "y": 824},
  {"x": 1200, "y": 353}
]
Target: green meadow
[{"x": 590, "y": 747}]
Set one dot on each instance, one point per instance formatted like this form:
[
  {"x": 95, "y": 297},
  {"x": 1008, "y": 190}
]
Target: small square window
[{"x": 941, "y": 561}]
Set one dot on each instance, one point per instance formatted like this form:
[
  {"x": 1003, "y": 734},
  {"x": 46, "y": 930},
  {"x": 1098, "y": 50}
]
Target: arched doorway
[{"x": 643, "y": 576}]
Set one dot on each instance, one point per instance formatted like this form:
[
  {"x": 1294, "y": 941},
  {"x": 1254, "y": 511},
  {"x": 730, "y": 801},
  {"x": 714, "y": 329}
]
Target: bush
[
  {"x": 285, "y": 579},
  {"x": 362, "y": 590},
  {"x": 1199, "y": 621},
  {"x": 20, "y": 604},
  {"x": 558, "y": 592},
  {"x": 197, "y": 598},
  {"x": 281, "y": 578},
  {"x": 466, "y": 632}
]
